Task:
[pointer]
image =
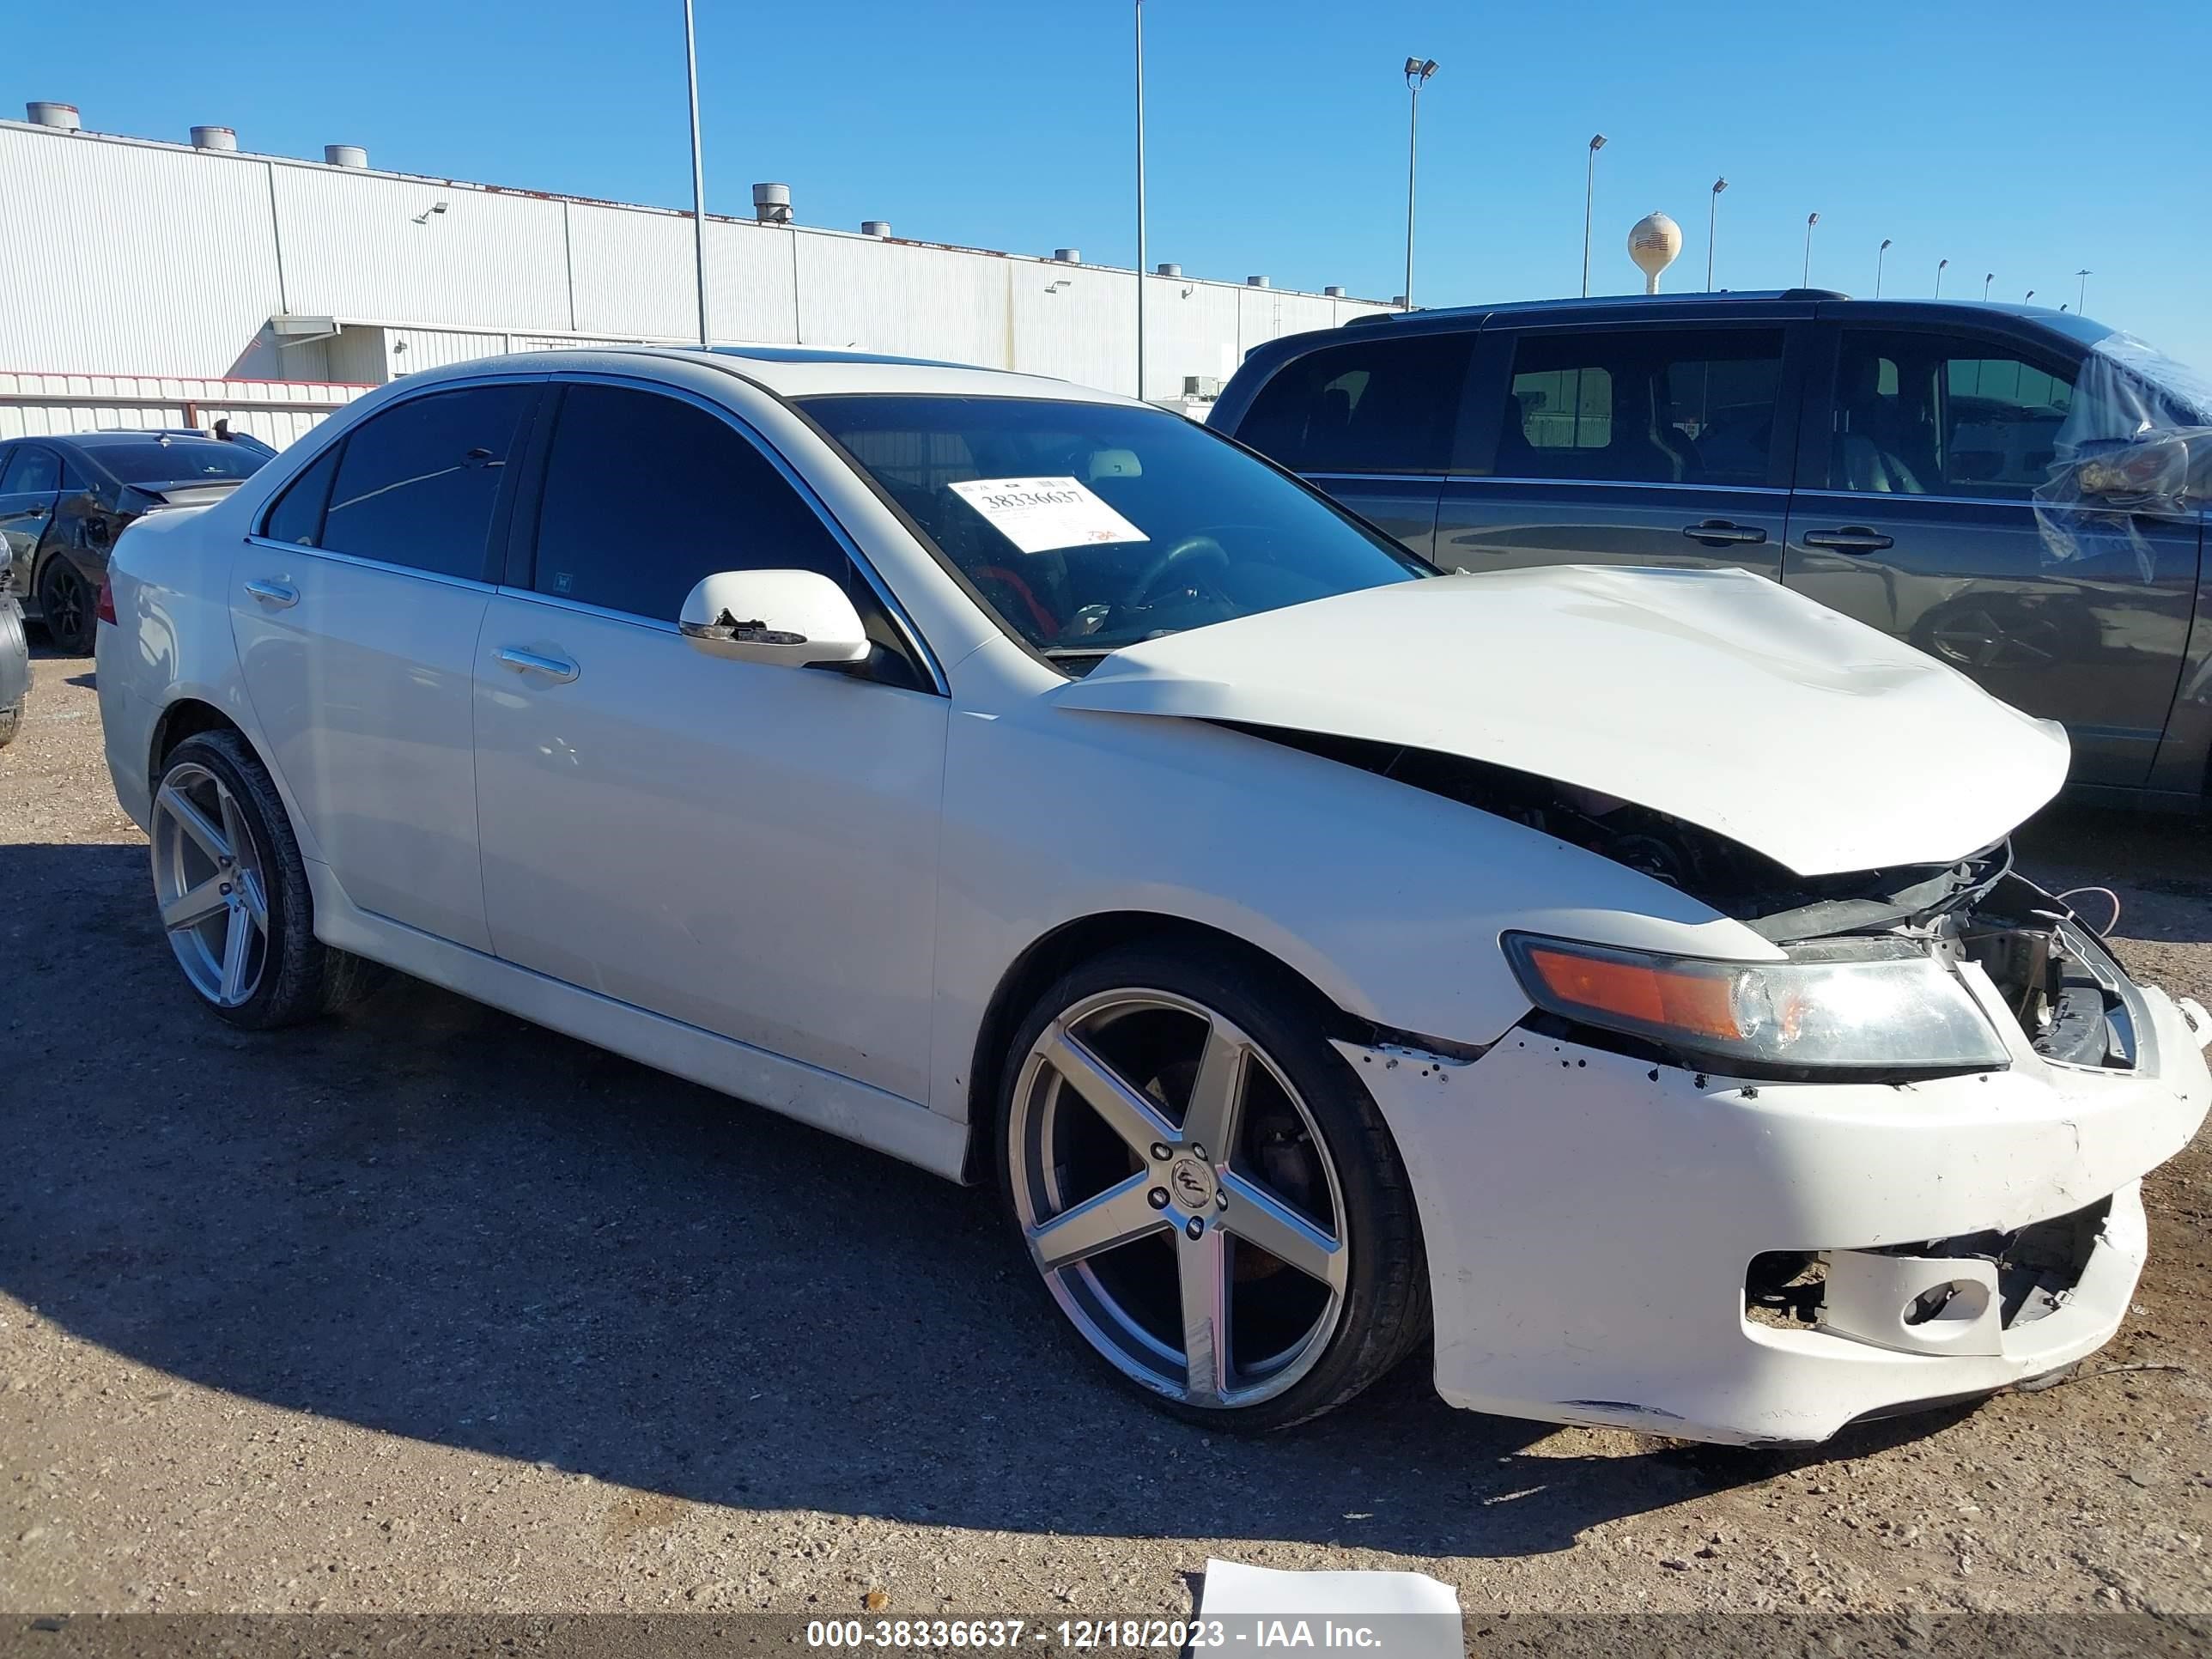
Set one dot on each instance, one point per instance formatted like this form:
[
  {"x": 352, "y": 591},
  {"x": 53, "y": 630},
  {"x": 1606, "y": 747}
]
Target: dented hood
[{"x": 1716, "y": 696}]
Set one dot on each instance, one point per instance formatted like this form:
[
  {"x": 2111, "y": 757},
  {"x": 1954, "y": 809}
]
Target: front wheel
[{"x": 1206, "y": 1190}]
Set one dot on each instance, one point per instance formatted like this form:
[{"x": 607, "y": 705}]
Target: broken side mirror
[{"x": 795, "y": 617}]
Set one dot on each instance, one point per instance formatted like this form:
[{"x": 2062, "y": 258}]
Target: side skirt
[{"x": 857, "y": 1111}]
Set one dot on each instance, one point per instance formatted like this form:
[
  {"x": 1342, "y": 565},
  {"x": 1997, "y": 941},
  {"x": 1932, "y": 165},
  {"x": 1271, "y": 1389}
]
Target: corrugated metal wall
[{"x": 174, "y": 261}]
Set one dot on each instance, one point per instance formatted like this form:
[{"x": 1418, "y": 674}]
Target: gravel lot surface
[{"x": 431, "y": 1310}]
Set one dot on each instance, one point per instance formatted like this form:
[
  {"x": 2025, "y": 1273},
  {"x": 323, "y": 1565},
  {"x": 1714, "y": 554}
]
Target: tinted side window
[
  {"x": 1689, "y": 406},
  {"x": 1930, "y": 414},
  {"x": 645, "y": 495},
  {"x": 297, "y": 516},
  {"x": 417, "y": 483},
  {"x": 1376, "y": 404},
  {"x": 33, "y": 470}
]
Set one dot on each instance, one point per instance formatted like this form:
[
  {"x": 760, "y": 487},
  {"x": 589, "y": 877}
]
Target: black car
[
  {"x": 2020, "y": 492},
  {"x": 64, "y": 500}
]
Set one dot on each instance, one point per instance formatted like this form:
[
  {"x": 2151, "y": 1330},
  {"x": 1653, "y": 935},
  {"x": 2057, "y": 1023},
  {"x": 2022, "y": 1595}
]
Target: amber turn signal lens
[{"x": 1697, "y": 1003}]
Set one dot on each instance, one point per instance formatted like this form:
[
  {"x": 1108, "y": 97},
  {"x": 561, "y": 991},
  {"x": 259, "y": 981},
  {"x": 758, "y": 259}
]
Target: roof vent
[
  {"x": 345, "y": 155},
  {"x": 1068, "y": 255},
  {"x": 1335, "y": 290},
  {"x": 1167, "y": 268},
  {"x": 878, "y": 228},
  {"x": 214, "y": 138},
  {"x": 1255, "y": 282},
  {"x": 771, "y": 204},
  {"x": 61, "y": 116}
]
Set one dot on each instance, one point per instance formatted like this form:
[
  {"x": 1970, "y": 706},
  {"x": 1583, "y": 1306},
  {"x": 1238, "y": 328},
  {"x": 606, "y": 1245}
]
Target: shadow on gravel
[
  {"x": 2158, "y": 863},
  {"x": 435, "y": 1220}
]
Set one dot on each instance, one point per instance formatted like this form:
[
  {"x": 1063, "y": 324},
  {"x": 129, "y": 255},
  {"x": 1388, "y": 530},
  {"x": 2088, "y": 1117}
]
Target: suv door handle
[
  {"x": 1720, "y": 530},
  {"x": 274, "y": 593},
  {"x": 559, "y": 670},
  {"x": 1852, "y": 538}
]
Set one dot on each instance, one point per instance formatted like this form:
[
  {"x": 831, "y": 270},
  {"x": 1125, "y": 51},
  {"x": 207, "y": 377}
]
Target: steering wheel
[{"x": 1190, "y": 547}]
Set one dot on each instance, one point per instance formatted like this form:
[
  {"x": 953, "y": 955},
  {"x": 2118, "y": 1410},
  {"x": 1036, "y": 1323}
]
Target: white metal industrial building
[{"x": 199, "y": 281}]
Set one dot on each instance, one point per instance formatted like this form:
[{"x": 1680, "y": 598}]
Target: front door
[
  {"x": 1917, "y": 515},
  {"x": 356, "y": 611},
  {"x": 750, "y": 849},
  {"x": 1636, "y": 445}
]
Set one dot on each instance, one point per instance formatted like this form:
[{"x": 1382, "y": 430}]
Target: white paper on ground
[
  {"x": 1413, "y": 1616},
  {"x": 1039, "y": 514}
]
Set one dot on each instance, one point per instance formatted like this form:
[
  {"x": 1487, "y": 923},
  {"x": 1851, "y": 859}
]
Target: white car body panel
[
  {"x": 808, "y": 890},
  {"x": 1817, "y": 740}
]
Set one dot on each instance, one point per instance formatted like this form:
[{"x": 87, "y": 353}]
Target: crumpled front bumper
[{"x": 1590, "y": 1219}]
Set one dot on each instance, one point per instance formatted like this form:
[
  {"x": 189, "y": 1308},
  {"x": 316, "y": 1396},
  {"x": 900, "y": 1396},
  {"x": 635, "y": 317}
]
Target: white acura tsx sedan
[{"x": 1616, "y": 977}]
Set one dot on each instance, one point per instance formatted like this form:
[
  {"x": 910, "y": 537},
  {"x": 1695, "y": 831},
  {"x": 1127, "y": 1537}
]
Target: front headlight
[{"x": 1879, "y": 1005}]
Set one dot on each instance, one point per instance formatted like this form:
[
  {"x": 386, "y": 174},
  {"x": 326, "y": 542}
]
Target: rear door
[
  {"x": 356, "y": 610},
  {"x": 1642, "y": 443},
  {"x": 30, "y": 482},
  {"x": 1915, "y": 512},
  {"x": 1369, "y": 421}
]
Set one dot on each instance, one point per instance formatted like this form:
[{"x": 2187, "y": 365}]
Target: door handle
[
  {"x": 275, "y": 594},
  {"x": 559, "y": 670},
  {"x": 1852, "y": 538},
  {"x": 1720, "y": 530}
]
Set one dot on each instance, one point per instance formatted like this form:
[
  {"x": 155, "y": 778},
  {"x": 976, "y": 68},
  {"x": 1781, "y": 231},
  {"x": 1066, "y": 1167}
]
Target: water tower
[{"x": 1653, "y": 245}]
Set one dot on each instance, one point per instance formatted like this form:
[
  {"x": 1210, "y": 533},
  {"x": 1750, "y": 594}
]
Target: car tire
[
  {"x": 1126, "y": 1241},
  {"x": 67, "y": 603},
  {"x": 11, "y": 718},
  {"x": 228, "y": 878}
]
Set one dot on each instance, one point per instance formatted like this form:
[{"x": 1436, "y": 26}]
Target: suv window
[
  {"x": 1376, "y": 405},
  {"x": 33, "y": 470},
  {"x": 1939, "y": 415},
  {"x": 1643, "y": 405},
  {"x": 645, "y": 495},
  {"x": 417, "y": 482}
]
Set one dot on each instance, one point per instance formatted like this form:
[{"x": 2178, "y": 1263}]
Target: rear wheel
[
  {"x": 67, "y": 602},
  {"x": 233, "y": 889},
  {"x": 1206, "y": 1189},
  {"x": 10, "y": 720}
]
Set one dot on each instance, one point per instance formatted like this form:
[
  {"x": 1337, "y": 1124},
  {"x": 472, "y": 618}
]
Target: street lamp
[
  {"x": 2082, "y": 293},
  {"x": 1418, "y": 70},
  {"x": 1713, "y": 224},
  {"x": 1589, "y": 187},
  {"x": 1878, "y": 254},
  {"x": 1811, "y": 220},
  {"x": 1940, "y": 264},
  {"x": 2025, "y": 297},
  {"x": 698, "y": 171},
  {"x": 1986, "y": 281}
]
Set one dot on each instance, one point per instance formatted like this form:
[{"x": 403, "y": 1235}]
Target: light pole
[
  {"x": 1811, "y": 220},
  {"x": 698, "y": 171},
  {"x": 2082, "y": 293},
  {"x": 1418, "y": 70},
  {"x": 1712, "y": 225},
  {"x": 1589, "y": 189},
  {"x": 1880, "y": 253},
  {"x": 1986, "y": 281},
  {"x": 1940, "y": 264},
  {"x": 1141, "y": 266},
  {"x": 2025, "y": 297}
]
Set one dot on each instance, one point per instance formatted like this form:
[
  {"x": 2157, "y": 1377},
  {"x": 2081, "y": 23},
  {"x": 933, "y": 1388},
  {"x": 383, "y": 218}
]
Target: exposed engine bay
[{"x": 2071, "y": 998}]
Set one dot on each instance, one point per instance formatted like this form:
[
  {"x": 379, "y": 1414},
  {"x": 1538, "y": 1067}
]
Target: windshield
[
  {"x": 179, "y": 460},
  {"x": 1089, "y": 526}
]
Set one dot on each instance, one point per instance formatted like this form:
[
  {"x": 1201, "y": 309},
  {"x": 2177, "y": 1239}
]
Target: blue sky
[{"x": 2029, "y": 139}]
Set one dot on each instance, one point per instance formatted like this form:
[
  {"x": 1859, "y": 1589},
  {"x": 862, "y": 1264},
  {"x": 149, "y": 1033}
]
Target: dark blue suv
[{"x": 2011, "y": 489}]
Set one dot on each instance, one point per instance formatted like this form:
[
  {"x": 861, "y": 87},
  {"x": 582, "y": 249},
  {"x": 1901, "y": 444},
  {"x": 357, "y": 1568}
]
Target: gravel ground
[{"x": 430, "y": 1309}]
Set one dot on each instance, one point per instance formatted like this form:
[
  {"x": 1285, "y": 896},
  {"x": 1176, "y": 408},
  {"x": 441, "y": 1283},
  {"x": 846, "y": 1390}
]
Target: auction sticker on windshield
[{"x": 1039, "y": 514}]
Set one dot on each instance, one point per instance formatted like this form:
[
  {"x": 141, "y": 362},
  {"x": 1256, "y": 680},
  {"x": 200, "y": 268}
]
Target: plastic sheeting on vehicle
[{"x": 2137, "y": 442}]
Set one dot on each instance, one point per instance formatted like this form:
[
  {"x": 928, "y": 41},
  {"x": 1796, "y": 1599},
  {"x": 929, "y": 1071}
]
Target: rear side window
[
  {"x": 33, "y": 470},
  {"x": 298, "y": 515},
  {"x": 417, "y": 483},
  {"x": 1688, "y": 406},
  {"x": 1375, "y": 404},
  {"x": 645, "y": 495}
]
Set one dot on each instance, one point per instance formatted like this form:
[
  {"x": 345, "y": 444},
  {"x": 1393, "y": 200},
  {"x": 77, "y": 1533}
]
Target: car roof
[
  {"x": 112, "y": 436},
  {"x": 790, "y": 371},
  {"x": 1631, "y": 307}
]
